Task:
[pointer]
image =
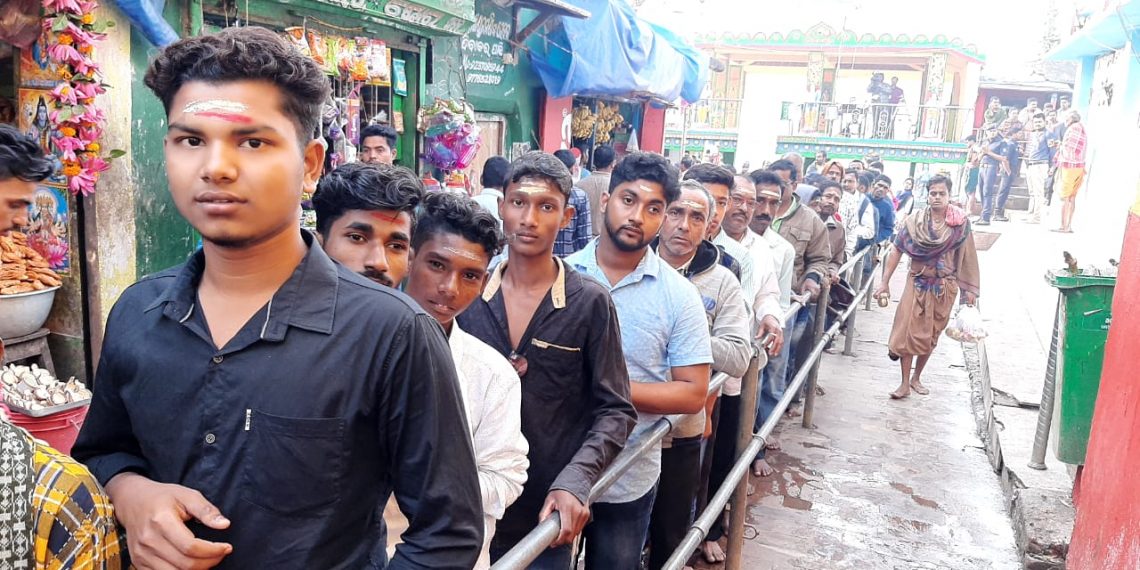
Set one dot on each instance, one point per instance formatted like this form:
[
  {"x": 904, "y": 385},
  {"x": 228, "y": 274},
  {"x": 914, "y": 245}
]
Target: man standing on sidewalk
[
  {"x": 856, "y": 213},
  {"x": 803, "y": 229},
  {"x": 560, "y": 331},
  {"x": 455, "y": 239},
  {"x": 995, "y": 163},
  {"x": 1071, "y": 161},
  {"x": 598, "y": 183},
  {"x": 1039, "y": 153},
  {"x": 826, "y": 205},
  {"x": 682, "y": 245},
  {"x": 255, "y": 405},
  {"x": 665, "y": 339}
]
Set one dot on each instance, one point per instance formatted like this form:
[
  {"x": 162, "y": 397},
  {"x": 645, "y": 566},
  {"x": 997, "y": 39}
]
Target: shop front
[{"x": 609, "y": 77}]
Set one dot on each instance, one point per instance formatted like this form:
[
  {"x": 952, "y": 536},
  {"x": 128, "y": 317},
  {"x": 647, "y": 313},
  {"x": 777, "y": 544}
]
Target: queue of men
[{"x": 258, "y": 405}]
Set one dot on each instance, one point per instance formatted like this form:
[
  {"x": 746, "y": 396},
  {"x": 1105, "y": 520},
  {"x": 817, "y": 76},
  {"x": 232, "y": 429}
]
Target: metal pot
[{"x": 25, "y": 313}]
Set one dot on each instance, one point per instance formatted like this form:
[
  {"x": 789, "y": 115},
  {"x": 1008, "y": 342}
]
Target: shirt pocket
[
  {"x": 563, "y": 364},
  {"x": 294, "y": 466},
  {"x": 800, "y": 236}
]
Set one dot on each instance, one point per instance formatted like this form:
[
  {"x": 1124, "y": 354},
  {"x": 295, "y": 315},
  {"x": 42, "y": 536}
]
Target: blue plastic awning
[
  {"x": 615, "y": 53},
  {"x": 1107, "y": 31}
]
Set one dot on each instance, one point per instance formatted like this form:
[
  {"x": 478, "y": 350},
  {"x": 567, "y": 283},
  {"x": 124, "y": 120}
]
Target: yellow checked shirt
[{"x": 73, "y": 520}]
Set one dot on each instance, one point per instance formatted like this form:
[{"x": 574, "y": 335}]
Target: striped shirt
[{"x": 1073, "y": 147}]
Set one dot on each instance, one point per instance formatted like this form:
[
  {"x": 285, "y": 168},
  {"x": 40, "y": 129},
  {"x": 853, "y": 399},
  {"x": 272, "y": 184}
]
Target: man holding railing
[
  {"x": 682, "y": 245},
  {"x": 665, "y": 340}
]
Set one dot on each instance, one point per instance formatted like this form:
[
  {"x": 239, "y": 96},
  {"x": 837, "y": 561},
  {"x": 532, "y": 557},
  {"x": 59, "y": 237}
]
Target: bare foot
[
  {"x": 916, "y": 385},
  {"x": 772, "y": 443},
  {"x": 900, "y": 393},
  {"x": 793, "y": 412},
  {"x": 760, "y": 468},
  {"x": 819, "y": 391},
  {"x": 751, "y": 489},
  {"x": 712, "y": 552}
]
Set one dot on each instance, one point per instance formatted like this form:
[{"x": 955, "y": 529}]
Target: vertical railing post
[
  {"x": 817, "y": 336},
  {"x": 749, "y": 393},
  {"x": 856, "y": 285},
  {"x": 870, "y": 259}
]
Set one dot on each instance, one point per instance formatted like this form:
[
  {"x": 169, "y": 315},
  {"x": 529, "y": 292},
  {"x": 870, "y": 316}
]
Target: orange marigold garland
[{"x": 73, "y": 33}]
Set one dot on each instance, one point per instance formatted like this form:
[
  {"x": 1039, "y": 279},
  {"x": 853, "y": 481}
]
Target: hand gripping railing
[{"x": 539, "y": 539}]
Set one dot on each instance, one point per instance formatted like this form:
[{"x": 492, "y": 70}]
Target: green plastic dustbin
[{"x": 1084, "y": 314}]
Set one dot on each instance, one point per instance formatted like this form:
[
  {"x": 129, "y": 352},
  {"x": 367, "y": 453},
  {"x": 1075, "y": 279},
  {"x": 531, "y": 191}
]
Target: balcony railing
[
  {"x": 706, "y": 114},
  {"x": 938, "y": 123}
]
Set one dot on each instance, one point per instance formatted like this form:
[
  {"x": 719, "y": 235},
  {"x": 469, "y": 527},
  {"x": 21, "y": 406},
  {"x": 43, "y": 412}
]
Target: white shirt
[
  {"x": 784, "y": 256},
  {"x": 856, "y": 226},
  {"x": 766, "y": 276},
  {"x": 489, "y": 198},
  {"x": 741, "y": 255},
  {"x": 492, "y": 398}
]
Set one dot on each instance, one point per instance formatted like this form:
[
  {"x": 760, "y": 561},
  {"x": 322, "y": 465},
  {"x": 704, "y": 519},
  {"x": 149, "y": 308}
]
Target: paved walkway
[{"x": 878, "y": 483}]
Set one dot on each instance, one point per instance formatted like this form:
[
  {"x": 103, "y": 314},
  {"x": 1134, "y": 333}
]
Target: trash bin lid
[{"x": 1062, "y": 279}]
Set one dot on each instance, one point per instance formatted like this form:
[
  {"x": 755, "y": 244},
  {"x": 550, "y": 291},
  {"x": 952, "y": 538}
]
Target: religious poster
[
  {"x": 36, "y": 70},
  {"x": 47, "y": 230},
  {"x": 32, "y": 120}
]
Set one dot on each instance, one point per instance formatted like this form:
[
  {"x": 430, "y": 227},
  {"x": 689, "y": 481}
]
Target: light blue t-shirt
[{"x": 663, "y": 326}]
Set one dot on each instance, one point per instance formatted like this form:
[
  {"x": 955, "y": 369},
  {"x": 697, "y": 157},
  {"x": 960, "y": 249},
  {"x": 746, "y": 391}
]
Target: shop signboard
[{"x": 452, "y": 17}]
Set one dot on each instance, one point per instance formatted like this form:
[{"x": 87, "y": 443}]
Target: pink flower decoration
[
  {"x": 65, "y": 94},
  {"x": 68, "y": 146},
  {"x": 96, "y": 165},
  {"x": 64, "y": 54},
  {"x": 71, "y": 6},
  {"x": 82, "y": 183}
]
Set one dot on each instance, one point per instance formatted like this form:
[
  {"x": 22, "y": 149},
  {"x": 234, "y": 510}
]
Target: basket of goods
[
  {"x": 451, "y": 135},
  {"x": 27, "y": 287},
  {"x": 50, "y": 409}
]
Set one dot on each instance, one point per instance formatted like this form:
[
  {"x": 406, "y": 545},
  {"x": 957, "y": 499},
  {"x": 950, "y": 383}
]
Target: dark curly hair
[
  {"x": 542, "y": 165},
  {"x": 707, "y": 173},
  {"x": 384, "y": 131},
  {"x": 244, "y": 54},
  {"x": 444, "y": 212},
  {"x": 21, "y": 157},
  {"x": 369, "y": 187},
  {"x": 648, "y": 166}
]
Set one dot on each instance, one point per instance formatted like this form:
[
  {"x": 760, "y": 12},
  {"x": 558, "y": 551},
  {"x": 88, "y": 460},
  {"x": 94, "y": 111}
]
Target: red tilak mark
[
  {"x": 228, "y": 117},
  {"x": 384, "y": 217}
]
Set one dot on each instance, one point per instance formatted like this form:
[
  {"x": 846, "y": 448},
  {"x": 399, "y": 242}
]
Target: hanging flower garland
[{"x": 73, "y": 33}]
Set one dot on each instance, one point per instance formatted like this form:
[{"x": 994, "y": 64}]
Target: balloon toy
[{"x": 451, "y": 135}]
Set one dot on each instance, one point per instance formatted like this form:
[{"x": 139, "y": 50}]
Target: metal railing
[
  {"x": 941, "y": 123},
  {"x": 735, "y": 486},
  {"x": 711, "y": 114}
]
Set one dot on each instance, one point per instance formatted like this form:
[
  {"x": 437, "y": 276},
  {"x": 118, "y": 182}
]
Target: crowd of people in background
[
  {"x": 482, "y": 359},
  {"x": 1044, "y": 143}
]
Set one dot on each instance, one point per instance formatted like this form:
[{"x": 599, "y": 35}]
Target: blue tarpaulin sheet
[{"x": 615, "y": 53}]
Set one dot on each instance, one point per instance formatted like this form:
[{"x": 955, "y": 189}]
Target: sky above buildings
[{"x": 1008, "y": 32}]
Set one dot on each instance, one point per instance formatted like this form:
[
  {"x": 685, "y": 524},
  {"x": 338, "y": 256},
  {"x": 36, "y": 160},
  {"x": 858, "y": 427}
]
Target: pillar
[
  {"x": 652, "y": 135},
  {"x": 1107, "y": 531},
  {"x": 109, "y": 215},
  {"x": 1082, "y": 90}
]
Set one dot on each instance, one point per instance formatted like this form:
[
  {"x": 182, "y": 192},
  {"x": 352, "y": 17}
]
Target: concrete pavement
[{"x": 879, "y": 483}]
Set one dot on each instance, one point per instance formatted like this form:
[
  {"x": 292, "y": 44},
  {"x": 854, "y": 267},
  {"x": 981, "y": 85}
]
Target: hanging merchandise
[
  {"x": 399, "y": 78},
  {"x": 608, "y": 118},
  {"x": 451, "y": 136},
  {"x": 582, "y": 124}
]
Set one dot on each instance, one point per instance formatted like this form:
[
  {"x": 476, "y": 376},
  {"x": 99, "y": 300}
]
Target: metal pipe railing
[
  {"x": 539, "y": 539},
  {"x": 700, "y": 528}
]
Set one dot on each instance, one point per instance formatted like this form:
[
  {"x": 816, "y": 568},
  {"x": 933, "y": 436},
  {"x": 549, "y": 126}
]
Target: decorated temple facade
[{"x": 907, "y": 99}]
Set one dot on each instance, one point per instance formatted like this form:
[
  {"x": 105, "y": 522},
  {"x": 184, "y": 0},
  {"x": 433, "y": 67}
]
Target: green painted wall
[{"x": 163, "y": 238}]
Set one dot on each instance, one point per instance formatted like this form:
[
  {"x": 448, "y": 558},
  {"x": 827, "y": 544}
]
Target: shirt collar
[
  {"x": 557, "y": 291},
  {"x": 307, "y": 299},
  {"x": 650, "y": 264},
  {"x": 792, "y": 209}
]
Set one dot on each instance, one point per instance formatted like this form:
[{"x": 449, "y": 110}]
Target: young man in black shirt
[
  {"x": 254, "y": 406},
  {"x": 560, "y": 331}
]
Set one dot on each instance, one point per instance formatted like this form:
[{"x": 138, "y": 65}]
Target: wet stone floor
[{"x": 881, "y": 484}]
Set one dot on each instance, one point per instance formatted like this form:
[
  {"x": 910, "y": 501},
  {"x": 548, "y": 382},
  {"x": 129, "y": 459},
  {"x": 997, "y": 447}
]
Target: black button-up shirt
[
  {"x": 337, "y": 392},
  {"x": 576, "y": 412}
]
